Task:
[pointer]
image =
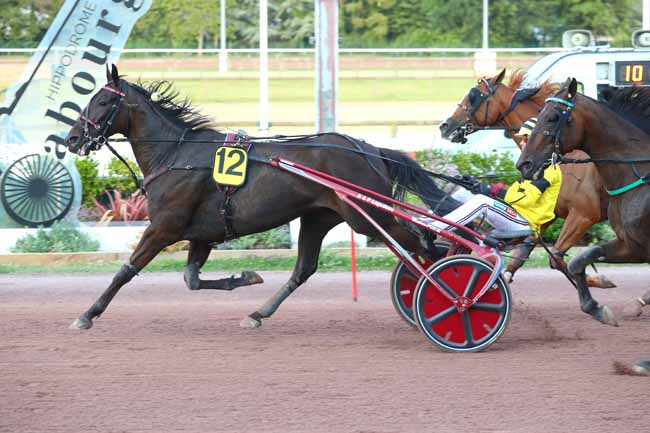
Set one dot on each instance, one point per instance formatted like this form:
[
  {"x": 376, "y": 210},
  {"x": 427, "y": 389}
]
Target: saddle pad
[{"x": 230, "y": 165}]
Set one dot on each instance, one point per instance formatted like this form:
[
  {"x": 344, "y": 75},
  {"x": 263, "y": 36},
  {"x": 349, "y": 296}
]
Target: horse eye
[{"x": 102, "y": 103}]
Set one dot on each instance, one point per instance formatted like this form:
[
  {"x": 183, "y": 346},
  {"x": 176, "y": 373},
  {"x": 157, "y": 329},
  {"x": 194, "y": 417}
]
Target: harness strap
[
  {"x": 560, "y": 101},
  {"x": 164, "y": 169},
  {"x": 630, "y": 186},
  {"x": 133, "y": 175}
]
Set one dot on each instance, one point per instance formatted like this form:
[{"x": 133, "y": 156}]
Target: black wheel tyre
[
  {"x": 37, "y": 190},
  {"x": 403, "y": 283},
  {"x": 476, "y": 328}
]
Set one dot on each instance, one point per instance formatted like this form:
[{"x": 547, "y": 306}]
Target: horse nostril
[{"x": 444, "y": 126}]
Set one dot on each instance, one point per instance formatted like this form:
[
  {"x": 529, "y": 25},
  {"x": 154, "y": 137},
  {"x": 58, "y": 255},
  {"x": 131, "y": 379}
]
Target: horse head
[
  {"x": 104, "y": 116},
  {"x": 482, "y": 106},
  {"x": 558, "y": 131}
]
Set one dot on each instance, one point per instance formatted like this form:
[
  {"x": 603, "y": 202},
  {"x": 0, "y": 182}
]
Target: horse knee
[{"x": 580, "y": 262}]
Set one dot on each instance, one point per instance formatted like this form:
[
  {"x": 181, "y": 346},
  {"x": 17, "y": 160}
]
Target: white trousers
[{"x": 498, "y": 214}]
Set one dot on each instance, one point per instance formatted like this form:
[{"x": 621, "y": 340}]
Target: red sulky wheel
[
  {"x": 403, "y": 283},
  {"x": 440, "y": 321}
]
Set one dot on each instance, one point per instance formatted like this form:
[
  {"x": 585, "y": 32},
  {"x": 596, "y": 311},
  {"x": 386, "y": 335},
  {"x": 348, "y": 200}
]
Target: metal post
[
  {"x": 485, "y": 25},
  {"x": 223, "y": 55},
  {"x": 327, "y": 49},
  {"x": 264, "y": 66},
  {"x": 646, "y": 14}
]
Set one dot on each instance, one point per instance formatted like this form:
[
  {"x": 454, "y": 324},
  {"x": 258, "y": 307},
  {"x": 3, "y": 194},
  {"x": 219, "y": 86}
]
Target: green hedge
[
  {"x": 93, "y": 185},
  {"x": 62, "y": 237}
]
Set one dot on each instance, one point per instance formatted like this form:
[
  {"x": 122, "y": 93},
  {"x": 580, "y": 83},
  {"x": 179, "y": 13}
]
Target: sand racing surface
[{"x": 164, "y": 359}]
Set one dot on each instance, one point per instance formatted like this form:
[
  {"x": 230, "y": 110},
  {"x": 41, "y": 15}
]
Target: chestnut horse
[
  {"x": 582, "y": 201},
  {"x": 610, "y": 135}
]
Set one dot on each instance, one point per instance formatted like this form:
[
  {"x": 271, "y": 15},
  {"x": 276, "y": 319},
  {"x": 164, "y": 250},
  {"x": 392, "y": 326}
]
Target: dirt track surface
[{"x": 163, "y": 359}]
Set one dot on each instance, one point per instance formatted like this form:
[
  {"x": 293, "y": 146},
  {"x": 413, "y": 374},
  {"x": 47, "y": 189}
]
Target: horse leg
[
  {"x": 313, "y": 229},
  {"x": 152, "y": 242},
  {"x": 519, "y": 257},
  {"x": 196, "y": 258},
  {"x": 574, "y": 228},
  {"x": 615, "y": 251}
]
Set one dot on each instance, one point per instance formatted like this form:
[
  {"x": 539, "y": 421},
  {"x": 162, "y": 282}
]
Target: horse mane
[
  {"x": 170, "y": 103},
  {"x": 546, "y": 87},
  {"x": 631, "y": 103}
]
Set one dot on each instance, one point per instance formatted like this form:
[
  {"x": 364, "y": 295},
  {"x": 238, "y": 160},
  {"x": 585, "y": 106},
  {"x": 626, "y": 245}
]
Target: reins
[{"x": 286, "y": 140}]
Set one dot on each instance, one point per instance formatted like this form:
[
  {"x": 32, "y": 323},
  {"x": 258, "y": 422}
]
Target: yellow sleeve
[{"x": 523, "y": 193}]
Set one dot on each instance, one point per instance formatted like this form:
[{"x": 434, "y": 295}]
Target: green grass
[
  {"x": 350, "y": 90},
  {"x": 329, "y": 262}
]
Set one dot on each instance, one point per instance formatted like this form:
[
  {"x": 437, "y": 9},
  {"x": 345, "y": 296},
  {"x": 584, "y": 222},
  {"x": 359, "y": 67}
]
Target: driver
[{"x": 525, "y": 205}]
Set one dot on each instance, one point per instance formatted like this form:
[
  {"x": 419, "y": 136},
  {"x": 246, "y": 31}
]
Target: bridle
[
  {"x": 96, "y": 142},
  {"x": 477, "y": 98},
  {"x": 565, "y": 118}
]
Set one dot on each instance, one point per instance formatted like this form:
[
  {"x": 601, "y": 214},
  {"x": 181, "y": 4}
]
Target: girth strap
[{"x": 225, "y": 211}]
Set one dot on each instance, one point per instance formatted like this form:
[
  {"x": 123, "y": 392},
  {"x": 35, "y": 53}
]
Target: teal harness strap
[
  {"x": 559, "y": 101},
  {"x": 626, "y": 188}
]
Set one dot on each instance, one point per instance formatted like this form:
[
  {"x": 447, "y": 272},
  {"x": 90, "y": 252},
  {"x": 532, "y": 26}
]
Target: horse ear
[
  {"x": 573, "y": 88},
  {"x": 115, "y": 75},
  {"x": 108, "y": 74},
  {"x": 500, "y": 77}
]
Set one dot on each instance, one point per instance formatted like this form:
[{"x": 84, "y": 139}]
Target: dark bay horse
[
  {"x": 582, "y": 201},
  {"x": 621, "y": 152},
  {"x": 185, "y": 203}
]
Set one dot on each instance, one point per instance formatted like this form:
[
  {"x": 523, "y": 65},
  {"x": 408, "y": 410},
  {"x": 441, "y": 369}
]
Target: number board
[
  {"x": 632, "y": 73},
  {"x": 230, "y": 165}
]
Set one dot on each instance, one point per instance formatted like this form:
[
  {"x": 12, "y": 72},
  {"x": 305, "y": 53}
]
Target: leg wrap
[{"x": 125, "y": 274}]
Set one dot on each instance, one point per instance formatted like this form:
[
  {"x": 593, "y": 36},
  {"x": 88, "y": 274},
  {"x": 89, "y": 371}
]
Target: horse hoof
[
  {"x": 600, "y": 281},
  {"x": 250, "y": 323},
  {"x": 507, "y": 275},
  {"x": 251, "y": 277},
  {"x": 81, "y": 323},
  {"x": 606, "y": 316},
  {"x": 642, "y": 368}
]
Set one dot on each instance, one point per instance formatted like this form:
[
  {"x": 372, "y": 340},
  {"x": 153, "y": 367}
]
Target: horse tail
[{"x": 407, "y": 174}]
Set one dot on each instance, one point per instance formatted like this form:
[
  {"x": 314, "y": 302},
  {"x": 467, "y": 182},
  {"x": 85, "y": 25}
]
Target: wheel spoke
[
  {"x": 50, "y": 209},
  {"x": 467, "y": 328},
  {"x": 16, "y": 177},
  {"x": 476, "y": 271},
  {"x": 29, "y": 165},
  {"x": 440, "y": 316},
  {"x": 410, "y": 276},
  {"x": 23, "y": 206},
  {"x": 448, "y": 289},
  {"x": 19, "y": 199},
  {"x": 49, "y": 168},
  {"x": 487, "y": 307}
]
